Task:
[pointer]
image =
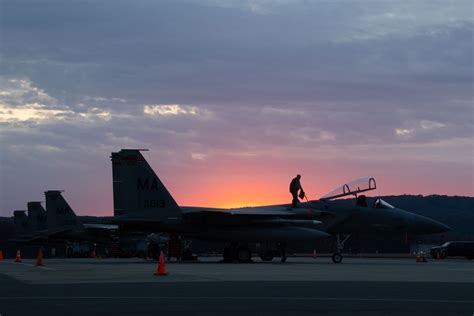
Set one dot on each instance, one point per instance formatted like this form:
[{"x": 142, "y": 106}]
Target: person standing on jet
[{"x": 295, "y": 186}]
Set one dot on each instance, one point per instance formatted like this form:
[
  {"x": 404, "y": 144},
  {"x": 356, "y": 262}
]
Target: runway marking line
[{"x": 357, "y": 299}]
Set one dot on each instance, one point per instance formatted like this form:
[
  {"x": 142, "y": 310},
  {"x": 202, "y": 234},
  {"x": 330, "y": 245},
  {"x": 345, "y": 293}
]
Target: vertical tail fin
[
  {"x": 137, "y": 189},
  {"x": 36, "y": 216},
  {"x": 20, "y": 221},
  {"x": 60, "y": 214}
]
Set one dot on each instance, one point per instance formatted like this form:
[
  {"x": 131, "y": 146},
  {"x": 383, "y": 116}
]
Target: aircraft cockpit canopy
[
  {"x": 353, "y": 187},
  {"x": 379, "y": 203}
]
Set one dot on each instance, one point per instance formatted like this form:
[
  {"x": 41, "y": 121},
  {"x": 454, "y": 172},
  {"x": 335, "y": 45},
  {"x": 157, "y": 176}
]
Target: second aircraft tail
[
  {"x": 36, "y": 216},
  {"x": 60, "y": 215}
]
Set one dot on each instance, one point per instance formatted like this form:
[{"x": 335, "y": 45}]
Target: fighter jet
[
  {"x": 142, "y": 202},
  {"x": 28, "y": 227},
  {"x": 58, "y": 222},
  {"x": 64, "y": 224}
]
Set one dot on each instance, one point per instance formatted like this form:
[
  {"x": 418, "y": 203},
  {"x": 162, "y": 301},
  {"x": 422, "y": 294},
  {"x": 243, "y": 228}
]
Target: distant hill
[{"x": 454, "y": 211}]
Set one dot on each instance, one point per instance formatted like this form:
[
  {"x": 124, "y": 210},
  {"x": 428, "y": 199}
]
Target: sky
[{"x": 234, "y": 98}]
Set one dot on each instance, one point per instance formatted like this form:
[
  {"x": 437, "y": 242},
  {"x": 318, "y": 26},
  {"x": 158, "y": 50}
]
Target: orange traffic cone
[
  {"x": 1, "y": 255},
  {"x": 18, "y": 256},
  {"x": 39, "y": 258},
  {"x": 314, "y": 253},
  {"x": 161, "y": 270}
]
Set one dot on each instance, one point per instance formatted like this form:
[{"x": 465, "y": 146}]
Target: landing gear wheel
[
  {"x": 337, "y": 257},
  {"x": 244, "y": 254}
]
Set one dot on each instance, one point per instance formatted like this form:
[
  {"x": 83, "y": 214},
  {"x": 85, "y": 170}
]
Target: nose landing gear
[
  {"x": 337, "y": 257},
  {"x": 340, "y": 240}
]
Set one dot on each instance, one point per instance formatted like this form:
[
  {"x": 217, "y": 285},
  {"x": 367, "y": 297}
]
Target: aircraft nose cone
[{"x": 427, "y": 225}]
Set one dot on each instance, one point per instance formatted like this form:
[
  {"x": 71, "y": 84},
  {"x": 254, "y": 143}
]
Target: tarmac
[{"x": 301, "y": 286}]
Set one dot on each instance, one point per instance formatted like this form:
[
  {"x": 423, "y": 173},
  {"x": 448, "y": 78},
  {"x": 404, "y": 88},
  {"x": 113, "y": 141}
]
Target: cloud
[
  {"x": 169, "y": 109},
  {"x": 176, "y": 110},
  {"x": 104, "y": 99},
  {"x": 405, "y": 132},
  {"x": 423, "y": 126},
  {"x": 21, "y": 101},
  {"x": 327, "y": 136},
  {"x": 30, "y": 112},
  {"x": 427, "y": 125},
  {"x": 254, "y": 6},
  {"x": 282, "y": 111},
  {"x": 198, "y": 156},
  {"x": 15, "y": 91}
]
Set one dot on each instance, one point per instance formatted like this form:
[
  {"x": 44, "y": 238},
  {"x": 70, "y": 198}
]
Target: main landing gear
[
  {"x": 268, "y": 250},
  {"x": 240, "y": 252},
  {"x": 340, "y": 240},
  {"x": 237, "y": 252},
  {"x": 281, "y": 246}
]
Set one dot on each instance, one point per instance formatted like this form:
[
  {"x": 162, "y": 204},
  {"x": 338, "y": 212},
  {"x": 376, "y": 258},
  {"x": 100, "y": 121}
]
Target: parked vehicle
[{"x": 454, "y": 249}]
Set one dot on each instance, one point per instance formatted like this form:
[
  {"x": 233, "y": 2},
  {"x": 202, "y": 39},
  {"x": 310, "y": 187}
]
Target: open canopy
[{"x": 353, "y": 187}]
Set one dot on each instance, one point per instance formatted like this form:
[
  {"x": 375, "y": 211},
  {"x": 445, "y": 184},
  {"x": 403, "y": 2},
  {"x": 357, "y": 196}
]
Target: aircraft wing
[
  {"x": 33, "y": 237},
  {"x": 49, "y": 234},
  {"x": 197, "y": 212},
  {"x": 295, "y": 222},
  {"x": 246, "y": 211},
  {"x": 257, "y": 211},
  {"x": 101, "y": 226}
]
